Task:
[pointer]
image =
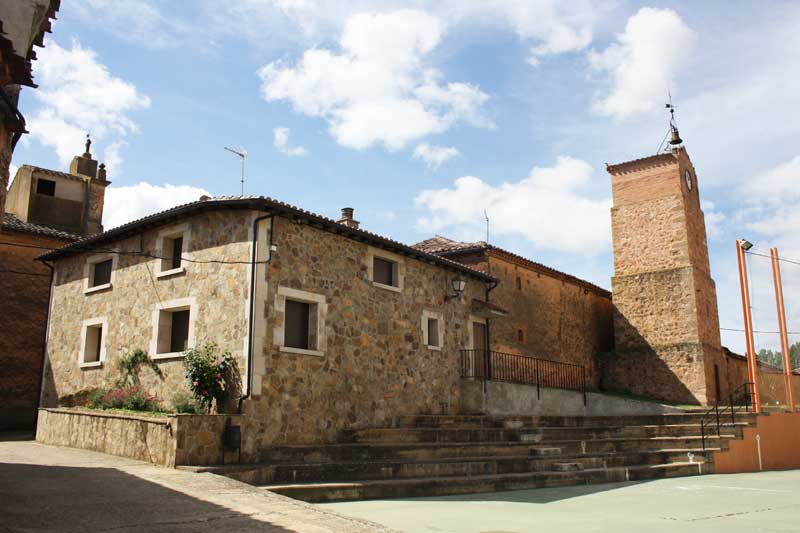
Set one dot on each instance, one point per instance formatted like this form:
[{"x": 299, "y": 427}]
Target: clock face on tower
[{"x": 688, "y": 177}]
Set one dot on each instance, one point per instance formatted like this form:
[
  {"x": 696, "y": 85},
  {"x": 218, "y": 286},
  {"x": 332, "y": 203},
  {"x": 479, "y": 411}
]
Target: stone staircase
[{"x": 431, "y": 455}]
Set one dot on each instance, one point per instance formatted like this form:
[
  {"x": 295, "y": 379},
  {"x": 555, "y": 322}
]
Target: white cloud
[
  {"x": 141, "y": 22},
  {"x": 280, "y": 139},
  {"x": 78, "y": 94},
  {"x": 548, "y": 208},
  {"x": 434, "y": 155},
  {"x": 642, "y": 64},
  {"x": 777, "y": 185},
  {"x": 714, "y": 219},
  {"x": 377, "y": 90},
  {"x": 124, "y": 204},
  {"x": 12, "y": 171}
]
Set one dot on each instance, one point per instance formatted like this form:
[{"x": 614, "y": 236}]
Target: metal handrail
[
  {"x": 490, "y": 365},
  {"x": 731, "y": 405}
]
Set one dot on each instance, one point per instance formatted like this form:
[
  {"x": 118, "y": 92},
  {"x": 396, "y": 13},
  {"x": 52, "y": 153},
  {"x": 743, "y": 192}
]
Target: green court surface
[{"x": 765, "y": 501}]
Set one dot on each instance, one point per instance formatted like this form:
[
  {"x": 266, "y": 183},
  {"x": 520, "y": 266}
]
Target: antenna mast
[
  {"x": 486, "y": 216},
  {"x": 242, "y": 154}
]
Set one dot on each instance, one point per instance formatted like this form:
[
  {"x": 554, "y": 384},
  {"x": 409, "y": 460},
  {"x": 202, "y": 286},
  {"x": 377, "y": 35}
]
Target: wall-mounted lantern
[{"x": 458, "y": 284}]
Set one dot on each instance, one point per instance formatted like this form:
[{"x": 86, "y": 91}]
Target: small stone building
[
  {"x": 332, "y": 327},
  {"x": 45, "y": 209},
  {"x": 551, "y": 315}
]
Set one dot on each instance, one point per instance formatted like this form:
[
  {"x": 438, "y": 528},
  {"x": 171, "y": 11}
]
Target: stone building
[
  {"x": 666, "y": 325},
  {"x": 332, "y": 327},
  {"x": 551, "y": 315},
  {"x": 23, "y": 24},
  {"x": 45, "y": 209}
]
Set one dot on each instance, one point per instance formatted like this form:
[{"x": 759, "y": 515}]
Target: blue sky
[{"x": 420, "y": 115}]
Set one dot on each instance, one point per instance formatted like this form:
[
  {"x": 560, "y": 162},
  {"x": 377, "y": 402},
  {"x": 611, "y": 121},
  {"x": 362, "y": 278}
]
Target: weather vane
[{"x": 675, "y": 139}]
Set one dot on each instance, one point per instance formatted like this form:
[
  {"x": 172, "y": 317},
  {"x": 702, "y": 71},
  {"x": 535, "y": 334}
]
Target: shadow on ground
[{"x": 44, "y": 498}]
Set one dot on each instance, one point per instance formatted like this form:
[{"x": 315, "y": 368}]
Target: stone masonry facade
[
  {"x": 370, "y": 363},
  {"x": 666, "y": 323},
  {"x": 551, "y": 315}
]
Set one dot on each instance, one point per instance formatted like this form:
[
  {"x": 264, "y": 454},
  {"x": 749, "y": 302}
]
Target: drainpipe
[
  {"x": 44, "y": 348},
  {"x": 489, "y": 289},
  {"x": 251, "y": 311}
]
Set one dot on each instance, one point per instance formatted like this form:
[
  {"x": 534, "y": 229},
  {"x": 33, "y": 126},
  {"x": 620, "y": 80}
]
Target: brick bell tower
[{"x": 666, "y": 325}]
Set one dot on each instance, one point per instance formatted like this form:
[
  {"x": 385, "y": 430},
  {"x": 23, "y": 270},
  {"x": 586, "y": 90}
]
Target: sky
[{"x": 423, "y": 116}]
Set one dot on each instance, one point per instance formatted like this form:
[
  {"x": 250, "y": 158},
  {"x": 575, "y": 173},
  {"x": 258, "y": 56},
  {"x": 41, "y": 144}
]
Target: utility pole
[
  {"x": 242, "y": 154},
  {"x": 787, "y": 361}
]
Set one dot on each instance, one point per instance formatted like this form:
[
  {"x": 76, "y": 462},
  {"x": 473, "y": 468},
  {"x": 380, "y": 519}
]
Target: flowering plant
[{"x": 212, "y": 377}]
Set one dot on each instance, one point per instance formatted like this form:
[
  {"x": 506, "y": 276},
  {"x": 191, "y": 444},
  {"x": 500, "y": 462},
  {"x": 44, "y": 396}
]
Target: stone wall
[
  {"x": 374, "y": 365},
  {"x": 221, "y": 293},
  {"x": 5, "y": 162},
  {"x": 168, "y": 440},
  {"x": 25, "y": 286},
  {"x": 666, "y": 323},
  {"x": 549, "y": 317}
]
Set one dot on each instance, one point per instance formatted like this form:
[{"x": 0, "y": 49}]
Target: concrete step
[
  {"x": 516, "y": 422},
  {"x": 438, "y": 486},
  {"x": 425, "y": 451},
  {"x": 537, "y": 435},
  {"x": 291, "y": 473}
]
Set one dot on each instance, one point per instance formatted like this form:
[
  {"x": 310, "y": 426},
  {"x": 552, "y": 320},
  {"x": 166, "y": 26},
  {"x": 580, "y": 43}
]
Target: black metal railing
[
  {"x": 523, "y": 369},
  {"x": 740, "y": 399}
]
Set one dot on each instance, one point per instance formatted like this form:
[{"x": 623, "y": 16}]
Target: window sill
[
  {"x": 97, "y": 288},
  {"x": 168, "y": 355},
  {"x": 92, "y": 364},
  {"x": 301, "y": 351},
  {"x": 171, "y": 272},
  {"x": 387, "y": 287},
  {"x": 434, "y": 348}
]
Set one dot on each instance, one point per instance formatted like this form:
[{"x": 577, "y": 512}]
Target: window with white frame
[
  {"x": 173, "y": 328},
  {"x": 171, "y": 247},
  {"x": 300, "y": 326},
  {"x": 385, "y": 269},
  {"x": 99, "y": 272},
  {"x": 432, "y": 329},
  {"x": 93, "y": 337}
]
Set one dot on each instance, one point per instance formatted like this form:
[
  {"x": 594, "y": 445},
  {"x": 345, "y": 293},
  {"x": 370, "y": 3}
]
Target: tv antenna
[
  {"x": 242, "y": 153},
  {"x": 486, "y": 216}
]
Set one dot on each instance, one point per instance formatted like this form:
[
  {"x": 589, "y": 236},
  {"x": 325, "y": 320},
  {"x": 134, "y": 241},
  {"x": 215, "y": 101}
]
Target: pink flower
[
  {"x": 219, "y": 376},
  {"x": 195, "y": 383}
]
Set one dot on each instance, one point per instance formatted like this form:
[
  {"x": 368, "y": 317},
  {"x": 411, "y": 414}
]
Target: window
[
  {"x": 45, "y": 187},
  {"x": 173, "y": 331},
  {"x": 98, "y": 272},
  {"x": 171, "y": 248},
  {"x": 301, "y": 329},
  {"x": 433, "y": 332},
  {"x": 384, "y": 271},
  {"x": 519, "y": 283},
  {"x": 92, "y": 351},
  {"x": 520, "y": 335},
  {"x": 432, "y": 329},
  {"x": 297, "y": 319},
  {"x": 101, "y": 273}
]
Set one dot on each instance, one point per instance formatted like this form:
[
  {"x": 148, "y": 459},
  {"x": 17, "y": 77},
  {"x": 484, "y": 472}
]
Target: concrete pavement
[
  {"x": 47, "y": 488},
  {"x": 765, "y": 501}
]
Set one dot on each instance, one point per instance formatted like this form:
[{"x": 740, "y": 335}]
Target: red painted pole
[
  {"x": 752, "y": 364},
  {"x": 787, "y": 361}
]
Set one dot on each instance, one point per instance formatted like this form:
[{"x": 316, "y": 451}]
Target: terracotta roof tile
[{"x": 13, "y": 223}]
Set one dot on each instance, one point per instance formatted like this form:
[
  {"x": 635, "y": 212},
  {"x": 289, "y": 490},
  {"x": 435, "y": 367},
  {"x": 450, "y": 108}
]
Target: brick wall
[{"x": 25, "y": 285}]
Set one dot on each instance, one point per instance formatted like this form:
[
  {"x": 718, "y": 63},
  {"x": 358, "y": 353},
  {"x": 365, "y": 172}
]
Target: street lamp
[
  {"x": 745, "y": 244},
  {"x": 459, "y": 284}
]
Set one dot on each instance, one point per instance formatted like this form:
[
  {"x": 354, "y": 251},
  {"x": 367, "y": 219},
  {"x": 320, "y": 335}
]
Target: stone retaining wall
[{"x": 168, "y": 441}]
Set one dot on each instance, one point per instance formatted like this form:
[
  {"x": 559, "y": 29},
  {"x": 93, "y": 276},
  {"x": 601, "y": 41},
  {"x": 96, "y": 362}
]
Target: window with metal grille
[{"x": 101, "y": 273}]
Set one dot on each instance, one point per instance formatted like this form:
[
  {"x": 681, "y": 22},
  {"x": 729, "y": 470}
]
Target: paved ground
[
  {"x": 768, "y": 501},
  {"x": 46, "y": 488}
]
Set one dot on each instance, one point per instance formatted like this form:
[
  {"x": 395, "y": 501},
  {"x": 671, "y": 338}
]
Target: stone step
[
  {"x": 292, "y": 473},
  {"x": 514, "y": 422},
  {"x": 439, "y": 486},
  {"x": 537, "y": 435},
  {"x": 422, "y": 451}
]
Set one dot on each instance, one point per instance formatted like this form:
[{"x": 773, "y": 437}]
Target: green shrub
[
  {"x": 131, "y": 398},
  {"x": 212, "y": 377},
  {"x": 183, "y": 403},
  {"x": 95, "y": 398},
  {"x": 129, "y": 365}
]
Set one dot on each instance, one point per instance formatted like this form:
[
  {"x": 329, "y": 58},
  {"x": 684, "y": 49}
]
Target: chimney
[
  {"x": 84, "y": 165},
  {"x": 96, "y": 200},
  {"x": 347, "y": 218}
]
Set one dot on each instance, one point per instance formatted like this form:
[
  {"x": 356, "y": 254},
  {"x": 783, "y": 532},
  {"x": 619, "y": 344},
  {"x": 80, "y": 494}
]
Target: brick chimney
[{"x": 347, "y": 218}]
